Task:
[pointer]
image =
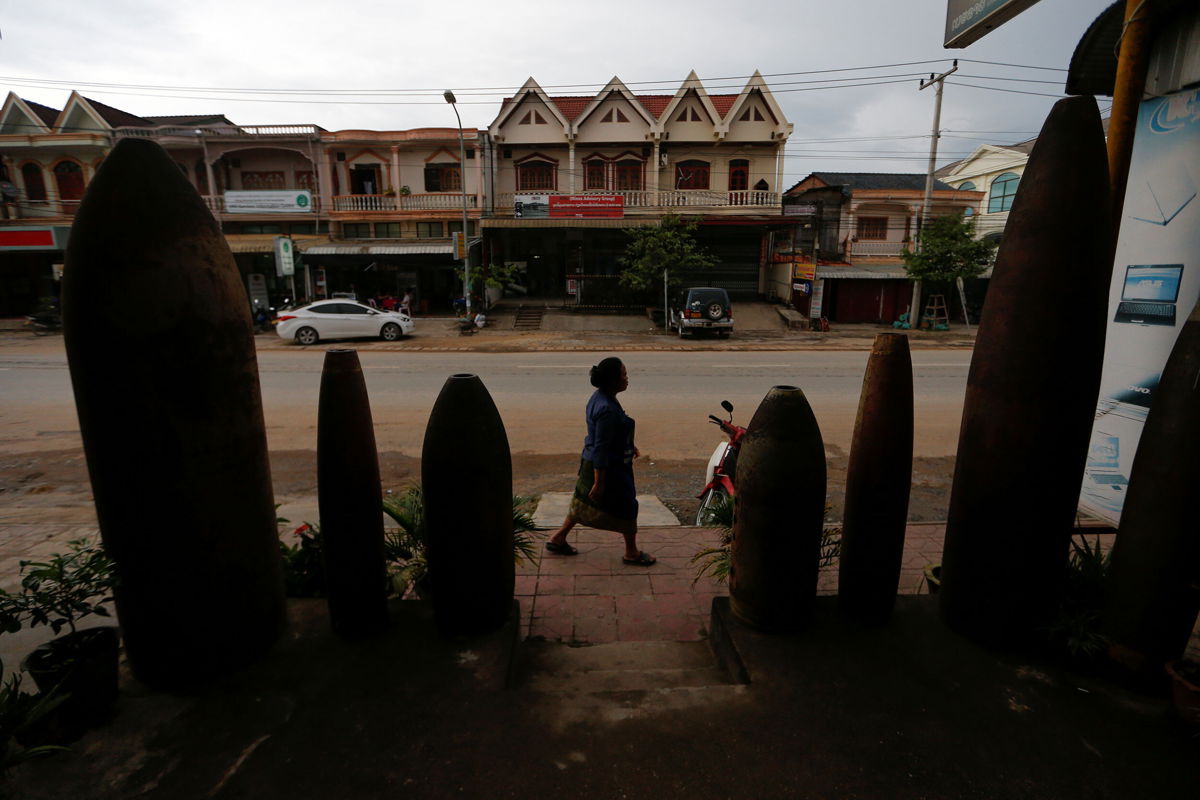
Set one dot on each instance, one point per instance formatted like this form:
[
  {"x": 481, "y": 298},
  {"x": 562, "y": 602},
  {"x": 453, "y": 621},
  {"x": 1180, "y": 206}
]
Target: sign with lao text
[
  {"x": 297, "y": 201},
  {"x": 587, "y": 205}
]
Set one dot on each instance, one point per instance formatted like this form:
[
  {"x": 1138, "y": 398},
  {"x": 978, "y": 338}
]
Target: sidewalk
[{"x": 758, "y": 326}]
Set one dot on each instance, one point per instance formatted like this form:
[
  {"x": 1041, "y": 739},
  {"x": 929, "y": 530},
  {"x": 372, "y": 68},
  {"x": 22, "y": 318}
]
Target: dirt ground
[{"x": 52, "y": 486}]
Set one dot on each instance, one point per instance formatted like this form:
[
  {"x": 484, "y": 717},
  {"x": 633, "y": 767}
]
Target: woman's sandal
[
  {"x": 643, "y": 559},
  {"x": 563, "y": 549}
]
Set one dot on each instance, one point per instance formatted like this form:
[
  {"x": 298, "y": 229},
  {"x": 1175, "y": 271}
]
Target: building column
[
  {"x": 652, "y": 185},
  {"x": 571, "y": 166},
  {"x": 324, "y": 181},
  {"x": 395, "y": 172}
]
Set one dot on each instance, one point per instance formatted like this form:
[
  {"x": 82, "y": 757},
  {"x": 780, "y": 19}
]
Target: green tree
[
  {"x": 670, "y": 245},
  {"x": 948, "y": 250}
]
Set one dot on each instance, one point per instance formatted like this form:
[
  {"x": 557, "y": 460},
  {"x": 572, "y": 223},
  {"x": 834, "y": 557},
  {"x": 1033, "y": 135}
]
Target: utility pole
[{"x": 914, "y": 315}]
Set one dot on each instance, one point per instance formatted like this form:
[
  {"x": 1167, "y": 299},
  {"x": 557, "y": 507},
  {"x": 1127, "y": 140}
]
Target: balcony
[
  {"x": 651, "y": 200},
  {"x": 381, "y": 203},
  {"x": 884, "y": 249}
]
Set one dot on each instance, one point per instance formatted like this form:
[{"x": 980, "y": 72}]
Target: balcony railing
[
  {"x": 402, "y": 202},
  {"x": 861, "y": 248},
  {"x": 668, "y": 198},
  {"x": 212, "y": 131}
]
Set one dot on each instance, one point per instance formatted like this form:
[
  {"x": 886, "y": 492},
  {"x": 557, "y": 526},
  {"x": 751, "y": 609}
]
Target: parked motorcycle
[
  {"x": 721, "y": 465},
  {"x": 44, "y": 322}
]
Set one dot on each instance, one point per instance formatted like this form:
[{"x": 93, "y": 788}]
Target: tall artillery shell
[
  {"x": 1031, "y": 390},
  {"x": 779, "y": 512},
  {"x": 466, "y": 471},
  {"x": 877, "y": 484},
  {"x": 349, "y": 494},
  {"x": 162, "y": 360},
  {"x": 1154, "y": 579}
]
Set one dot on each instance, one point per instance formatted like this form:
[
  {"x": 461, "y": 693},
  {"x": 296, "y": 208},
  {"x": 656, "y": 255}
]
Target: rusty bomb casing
[
  {"x": 779, "y": 511},
  {"x": 466, "y": 474},
  {"x": 878, "y": 480},
  {"x": 162, "y": 361},
  {"x": 1154, "y": 577},
  {"x": 1031, "y": 389},
  {"x": 348, "y": 491}
]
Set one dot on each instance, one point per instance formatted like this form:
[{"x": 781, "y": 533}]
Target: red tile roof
[
  {"x": 48, "y": 115},
  {"x": 572, "y": 106},
  {"x": 722, "y": 102},
  {"x": 116, "y": 117}
]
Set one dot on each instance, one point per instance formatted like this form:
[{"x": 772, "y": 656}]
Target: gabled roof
[
  {"x": 22, "y": 116},
  {"x": 115, "y": 116},
  {"x": 897, "y": 181},
  {"x": 190, "y": 119},
  {"x": 692, "y": 84},
  {"x": 531, "y": 87},
  {"x": 756, "y": 85},
  {"x": 45, "y": 113},
  {"x": 614, "y": 87}
]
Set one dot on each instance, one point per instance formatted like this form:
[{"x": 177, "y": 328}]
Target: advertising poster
[
  {"x": 1155, "y": 285},
  {"x": 268, "y": 202},
  {"x": 536, "y": 206}
]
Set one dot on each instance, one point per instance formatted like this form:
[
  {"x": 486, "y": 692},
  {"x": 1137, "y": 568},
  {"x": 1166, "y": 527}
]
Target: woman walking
[{"x": 605, "y": 496}]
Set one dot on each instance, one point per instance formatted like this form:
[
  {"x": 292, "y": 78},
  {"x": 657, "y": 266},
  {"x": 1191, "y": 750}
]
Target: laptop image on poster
[{"x": 1149, "y": 294}]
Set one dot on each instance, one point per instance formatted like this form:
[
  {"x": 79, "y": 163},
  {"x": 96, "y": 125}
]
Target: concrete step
[
  {"x": 529, "y": 318},
  {"x": 618, "y": 681},
  {"x": 652, "y": 513}
]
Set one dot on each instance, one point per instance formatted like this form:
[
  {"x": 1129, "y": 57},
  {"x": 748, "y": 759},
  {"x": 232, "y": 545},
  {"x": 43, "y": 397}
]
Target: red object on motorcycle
[
  {"x": 780, "y": 510},
  {"x": 877, "y": 484}
]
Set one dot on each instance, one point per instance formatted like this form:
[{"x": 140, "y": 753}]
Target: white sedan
[{"x": 341, "y": 319}]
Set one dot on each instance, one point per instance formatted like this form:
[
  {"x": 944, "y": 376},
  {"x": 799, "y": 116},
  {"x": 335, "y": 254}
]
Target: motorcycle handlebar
[{"x": 716, "y": 419}]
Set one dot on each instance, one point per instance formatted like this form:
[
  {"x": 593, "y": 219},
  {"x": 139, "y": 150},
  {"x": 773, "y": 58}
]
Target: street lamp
[{"x": 462, "y": 180}]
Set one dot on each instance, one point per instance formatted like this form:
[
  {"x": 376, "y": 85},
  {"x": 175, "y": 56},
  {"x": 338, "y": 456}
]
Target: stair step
[
  {"x": 528, "y": 318},
  {"x": 597, "y": 681},
  {"x": 552, "y": 657},
  {"x": 563, "y": 710}
]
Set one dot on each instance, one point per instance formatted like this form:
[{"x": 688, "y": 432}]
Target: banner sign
[
  {"x": 970, "y": 20},
  {"x": 587, "y": 205},
  {"x": 285, "y": 256},
  {"x": 804, "y": 271},
  {"x": 1155, "y": 285},
  {"x": 800, "y": 210},
  {"x": 33, "y": 238},
  {"x": 802, "y": 288},
  {"x": 818, "y": 298},
  {"x": 298, "y": 201}
]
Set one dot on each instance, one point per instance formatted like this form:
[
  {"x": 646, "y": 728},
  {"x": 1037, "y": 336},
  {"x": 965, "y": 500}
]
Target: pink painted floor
[{"x": 593, "y": 597}]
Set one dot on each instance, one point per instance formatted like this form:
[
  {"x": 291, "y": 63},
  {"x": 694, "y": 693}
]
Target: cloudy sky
[{"x": 842, "y": 71}]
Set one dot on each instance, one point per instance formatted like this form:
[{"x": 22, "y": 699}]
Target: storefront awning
[
  {"x": 870, "y": 272},
  {"x": 546, "y": 222},
  {"x": 263, "y": 242},
  {"x": 862, "y": 271},
  {"x": 379, "y": 249}
]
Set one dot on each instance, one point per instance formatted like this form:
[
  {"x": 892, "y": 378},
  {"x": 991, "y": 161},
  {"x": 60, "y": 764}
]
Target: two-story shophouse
[
  {"x": 569, "y": 173},
  {"x": 864, "y": 222},
  {"x": 367, "y": 212},
  {"x": 994, "y": 170}
]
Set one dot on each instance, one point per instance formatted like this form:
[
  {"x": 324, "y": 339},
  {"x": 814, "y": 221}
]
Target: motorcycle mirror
[{"x": 728, "y": 406}]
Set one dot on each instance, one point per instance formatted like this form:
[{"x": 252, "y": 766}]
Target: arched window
[
  {"x": 594, "y": 174},
  {"x": 535, "y": 175},
  {"x": 969, "y": 186},
  {"x": 629, "y": 175},
  {"x": 739, "y": 174},
  {"x": 691, "y": 175},
  {"x": 69, "y": 177},
  {"x": 35, "y": 184},
  {"x": 1004, "y": 188}
]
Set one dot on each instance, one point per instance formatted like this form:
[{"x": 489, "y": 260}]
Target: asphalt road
[{"x": 540, "y": 395}]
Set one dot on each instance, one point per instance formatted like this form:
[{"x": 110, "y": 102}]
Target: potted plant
[
  {"x": 1185, "y": 689},
  {"x": 20, "y": 716},
  {"x": 82, "y": 664},
  {"x": 405, "y": 546}
]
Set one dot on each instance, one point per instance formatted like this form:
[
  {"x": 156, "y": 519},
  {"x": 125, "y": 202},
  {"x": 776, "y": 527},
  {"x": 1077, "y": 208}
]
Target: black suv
[{"x": 702, "y": 308}]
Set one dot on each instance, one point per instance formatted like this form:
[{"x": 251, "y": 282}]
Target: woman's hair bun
[{"x": 606, "y": 373}]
